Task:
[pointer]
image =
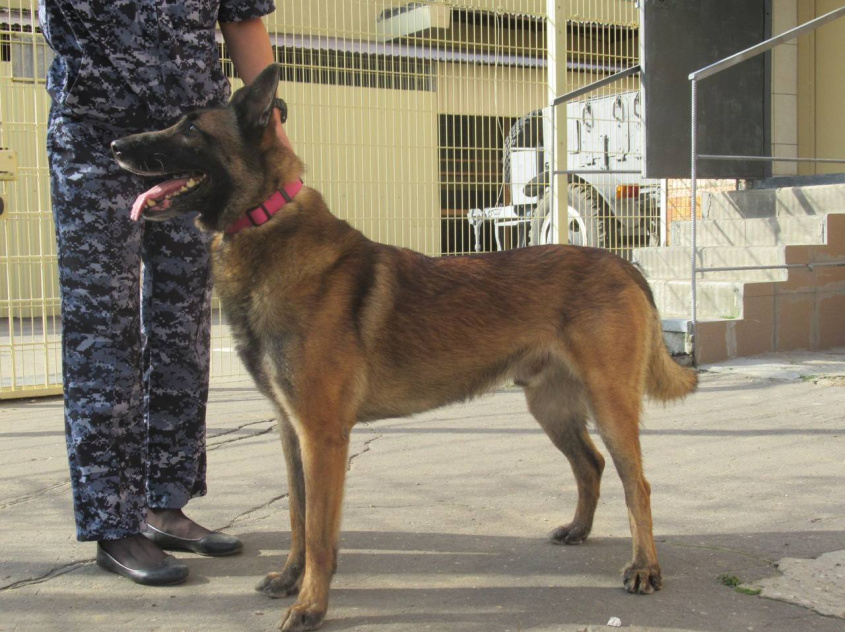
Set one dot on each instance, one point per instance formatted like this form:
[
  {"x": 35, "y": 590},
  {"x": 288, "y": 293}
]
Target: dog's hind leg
[
  {"x": 616, "y": 405},
  {"x": 287, "y": 582},
  {"x": 556, "y": 399}
]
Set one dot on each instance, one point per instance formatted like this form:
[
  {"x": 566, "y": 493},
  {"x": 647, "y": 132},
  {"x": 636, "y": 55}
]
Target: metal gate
[
  {"x": 400, "y": 110},
  {"x": 29, "y": 302}
]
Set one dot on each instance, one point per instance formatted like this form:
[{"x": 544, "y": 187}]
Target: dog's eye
[{"x": 192, "y": 129}]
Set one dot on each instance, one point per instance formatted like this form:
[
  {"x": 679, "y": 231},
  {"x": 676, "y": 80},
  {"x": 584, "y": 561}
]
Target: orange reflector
[{"x": 627, "y": 191}]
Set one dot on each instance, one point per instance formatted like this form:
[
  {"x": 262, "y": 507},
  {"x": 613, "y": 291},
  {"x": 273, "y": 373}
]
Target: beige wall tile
[
  {"x": 755, "y": 332},
  {"x": 784, "y": 15},
  {"x": 758, "y": 289},
  {"x": 711, "y": 341},
  {"x": 830, "y": 278},
  {"x": 801, "y": 281},
  {"x": 831, "y": 314},
  {"x": 784, "y": 119},
  {"x": 829, "y": 88},
  {"x": 785, "y": 168},
  {"x": 794, "y": 321},
  {"x": 785, "y": 69}
]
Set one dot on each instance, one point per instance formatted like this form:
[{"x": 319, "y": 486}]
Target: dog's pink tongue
[{"x": 157, "y": 195}]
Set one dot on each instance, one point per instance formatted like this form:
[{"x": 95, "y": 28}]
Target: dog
[{"x": 336, "y": 329}]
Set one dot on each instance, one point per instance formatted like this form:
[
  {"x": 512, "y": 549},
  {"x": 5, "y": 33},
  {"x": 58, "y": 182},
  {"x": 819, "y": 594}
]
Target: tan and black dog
[{"x": 337, "y": 329}]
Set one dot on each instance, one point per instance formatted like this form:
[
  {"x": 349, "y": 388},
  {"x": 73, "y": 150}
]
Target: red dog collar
[{"x": 261, "y": 214}]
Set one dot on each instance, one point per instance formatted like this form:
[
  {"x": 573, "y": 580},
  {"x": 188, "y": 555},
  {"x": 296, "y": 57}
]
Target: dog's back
[{"x": 447, "y": 329}]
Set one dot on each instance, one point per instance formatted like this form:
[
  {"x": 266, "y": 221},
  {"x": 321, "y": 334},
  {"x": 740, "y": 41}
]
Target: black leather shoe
[
  {"x": 214, "y": 544},
  {"x": 169, "y": 572}
]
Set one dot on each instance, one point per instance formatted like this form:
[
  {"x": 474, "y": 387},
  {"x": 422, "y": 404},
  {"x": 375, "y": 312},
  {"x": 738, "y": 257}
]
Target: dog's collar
[{"x": 272, "y": 205}]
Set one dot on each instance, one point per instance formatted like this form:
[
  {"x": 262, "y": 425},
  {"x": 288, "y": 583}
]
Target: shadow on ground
[{"x": 442, "y": 581}]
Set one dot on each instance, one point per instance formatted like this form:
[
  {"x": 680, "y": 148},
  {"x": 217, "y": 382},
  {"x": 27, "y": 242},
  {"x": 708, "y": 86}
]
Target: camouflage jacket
[{"x": 137, "y": 64}]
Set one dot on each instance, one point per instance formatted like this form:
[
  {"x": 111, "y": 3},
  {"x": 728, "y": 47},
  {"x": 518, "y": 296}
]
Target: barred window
[
  {"x": 471, "y": 173},
  {"x": 26, "y": 50}
]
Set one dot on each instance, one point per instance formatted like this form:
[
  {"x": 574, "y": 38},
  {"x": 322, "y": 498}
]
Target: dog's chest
[{"x": 266, "y": 340}]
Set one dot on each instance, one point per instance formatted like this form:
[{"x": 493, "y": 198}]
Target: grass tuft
[{"x": 735, "y": 582}]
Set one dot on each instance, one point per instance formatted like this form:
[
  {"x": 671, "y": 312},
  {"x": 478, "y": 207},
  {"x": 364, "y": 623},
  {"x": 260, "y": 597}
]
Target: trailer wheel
[
  {"x": 591, "y": 222},
  {"x": 544, "y": 227},
  {"x": 601, "y": 228}
]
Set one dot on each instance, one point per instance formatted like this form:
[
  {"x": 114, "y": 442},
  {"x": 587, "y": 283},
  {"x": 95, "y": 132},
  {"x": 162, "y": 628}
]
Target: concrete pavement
[{"x": 446, "y": 516}]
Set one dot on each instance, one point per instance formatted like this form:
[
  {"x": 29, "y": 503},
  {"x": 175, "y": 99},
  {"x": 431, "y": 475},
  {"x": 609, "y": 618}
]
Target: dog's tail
[{"x": 666, "y": 380}]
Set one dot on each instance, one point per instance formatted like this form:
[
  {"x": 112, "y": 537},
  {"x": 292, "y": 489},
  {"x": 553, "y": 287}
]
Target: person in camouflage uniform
[{"x": 135, "y": 296}]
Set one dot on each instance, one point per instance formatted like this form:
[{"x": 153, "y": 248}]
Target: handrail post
[{"x": 694, "y": 213}]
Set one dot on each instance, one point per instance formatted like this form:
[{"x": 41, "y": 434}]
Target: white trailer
[{"x": 610, "y": 204}]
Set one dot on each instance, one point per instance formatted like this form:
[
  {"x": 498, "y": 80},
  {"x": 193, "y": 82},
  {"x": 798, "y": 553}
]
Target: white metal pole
[
  {"x": 694, "y": 210},
  {"x": 664, "y": 212},
  {"x": 558, "y": 12}
]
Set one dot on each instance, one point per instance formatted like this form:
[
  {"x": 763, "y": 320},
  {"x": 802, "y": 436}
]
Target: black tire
[
  {"x": 591, "y": 222},
  {"x": 601, "y": 228}
]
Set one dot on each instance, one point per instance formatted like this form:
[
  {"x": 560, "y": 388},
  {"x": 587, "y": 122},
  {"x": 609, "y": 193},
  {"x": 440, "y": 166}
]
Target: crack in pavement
[
  {"x": 51, "y": 574},
  {"x": 243, "y": 515},
  {"x": 364, "y": 451},
  {"x": 251, "y": 435},
  {"x": 241, "y": 427},
  {"x": 61, "y": 485}
]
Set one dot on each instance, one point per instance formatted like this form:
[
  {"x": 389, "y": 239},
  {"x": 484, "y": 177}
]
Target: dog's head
[{"x": 221, "y": 161}]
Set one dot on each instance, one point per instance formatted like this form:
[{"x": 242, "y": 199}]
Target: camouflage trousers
[{"x": 135, "y": 339}]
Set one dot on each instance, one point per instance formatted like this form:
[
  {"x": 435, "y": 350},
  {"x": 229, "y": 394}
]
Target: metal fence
[
  {"x": 402, "y": 112},
  {"x": 29, "y": 304}
]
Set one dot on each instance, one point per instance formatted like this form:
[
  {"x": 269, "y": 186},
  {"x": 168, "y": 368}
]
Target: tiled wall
[{"x": 785, "y": 88}]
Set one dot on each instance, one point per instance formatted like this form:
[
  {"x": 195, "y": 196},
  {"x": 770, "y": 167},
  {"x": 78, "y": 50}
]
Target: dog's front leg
[
  {"x": 287, "y": 582},
  {"x": 324, "y": 447}
]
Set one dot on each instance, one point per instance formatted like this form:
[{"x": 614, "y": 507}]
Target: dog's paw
[
  {"x": 302, "y": 617},
  {"x": 642, "y": 580},
  {"x": 277, "y": 585},
  {"x": 571, "y": 533}
]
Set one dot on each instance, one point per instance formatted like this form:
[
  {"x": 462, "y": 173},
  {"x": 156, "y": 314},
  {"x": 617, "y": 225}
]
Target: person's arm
[{"x": 251, "y": 52}]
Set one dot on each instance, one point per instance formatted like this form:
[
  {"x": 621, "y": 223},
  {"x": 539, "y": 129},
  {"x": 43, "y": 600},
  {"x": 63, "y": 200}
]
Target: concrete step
[
  {"x": 784, "y": 202},
  {"x": 720, "y": 300},
  {"x": 767, "y": 231},
  {"x": 678, "y": 334},
  {"x": 749, "y": 312},
  {"x": 674, "y": 262}
]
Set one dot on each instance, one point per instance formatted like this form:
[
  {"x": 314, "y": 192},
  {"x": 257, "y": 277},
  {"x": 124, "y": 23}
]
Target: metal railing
[
  {"x": 574, "y": 94},
  {"x": 709, "y": 71}
]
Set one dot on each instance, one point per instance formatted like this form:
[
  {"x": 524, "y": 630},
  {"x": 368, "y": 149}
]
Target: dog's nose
[{"x": 116, "y": 148}]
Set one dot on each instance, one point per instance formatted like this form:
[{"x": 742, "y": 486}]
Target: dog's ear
[{"x": 254, "y": 103}]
